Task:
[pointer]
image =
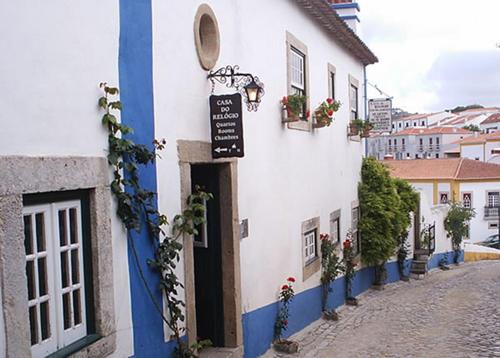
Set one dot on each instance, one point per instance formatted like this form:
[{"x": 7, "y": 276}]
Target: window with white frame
[
  {"x": 443, "y": 197},
  {"x": 493, "y": 198},
  {"x": 298, "y": 72},
  {"x": 331, "y": 80},
  {"x": 335, "y": 227},
  {"x": 297, "y": 78},
  {"x": 310, "y": 248},
  {"x": 354, "y": 101},
  {"x": 53, "y": 240},
  {"x": 467, "y": 200}
]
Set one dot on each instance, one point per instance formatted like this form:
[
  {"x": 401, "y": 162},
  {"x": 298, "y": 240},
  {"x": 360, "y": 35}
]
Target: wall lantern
[{"x": 247, "y": 84}]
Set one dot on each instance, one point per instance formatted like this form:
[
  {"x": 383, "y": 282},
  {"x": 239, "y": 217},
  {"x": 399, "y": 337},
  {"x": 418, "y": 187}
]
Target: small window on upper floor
[
  {"x": 331, "y": 80},
  {"x": 399, "y": 125},
  {"x": 406, "y": 125},
  {"x": 298, "y": 77},
  {"x": 443, "y": 197},
  {"x": 353, "y": 97},
  {"x": 423, "y": 124}
]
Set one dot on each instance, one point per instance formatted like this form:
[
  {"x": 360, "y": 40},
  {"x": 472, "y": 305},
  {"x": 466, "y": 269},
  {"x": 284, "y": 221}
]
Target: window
[
  {"x": 493, "y": 198},
  {"x": 393, "y": 126},
  {"x": 297, "y": 77},
  {"x": 353, "y": 97},
  {"x": 443, "y": 197},
  {"x": 331, "y": 80},
  {"x": 399, "y": 124},
  {"x": 423, "y": 123},
  {"x": 414, "y": 124},
  {"x": 437, "y": 155},
  {"x": 55, "y": 271},
  {"x": 467, "y": 200},
  {"x": 437, "y": 140},
  {"x": 390, "y": 142},
  {"x": 492, "y": 225},
  {"x": 335, "y": 227},
  {"x": 420, "y": 141},
  {"x": 406, "y": 124},
  {"x": 298, "y": 80},
  {"x": 310, "y": 250},
  {"x": 355, "y": 232},
  {"x": 430, "y": 141},
  {"x": 403, "y": 141}
]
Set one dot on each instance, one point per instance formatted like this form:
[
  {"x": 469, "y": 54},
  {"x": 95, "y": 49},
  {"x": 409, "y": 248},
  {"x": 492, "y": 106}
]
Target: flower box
[
  {"x": 292, "y": 108},
  {"x": 323, "y": 114}
]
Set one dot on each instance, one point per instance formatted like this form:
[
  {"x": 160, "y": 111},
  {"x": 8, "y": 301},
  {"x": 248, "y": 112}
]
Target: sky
[{"x": 433, "y": 54}]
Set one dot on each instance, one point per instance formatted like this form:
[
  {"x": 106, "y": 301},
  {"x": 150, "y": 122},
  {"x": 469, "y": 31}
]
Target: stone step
[
  {"x": 421, "y": 252},
  {"x": 422, "y": 257}
]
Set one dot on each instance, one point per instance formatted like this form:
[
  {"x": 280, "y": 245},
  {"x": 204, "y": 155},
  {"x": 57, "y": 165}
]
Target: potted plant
[
  {"x": 360, "y": 127},
  {"x": 324, "y": 112},
  {"x": 332, "y": 266},
  {"x": 350, "y": 270},
  {"x": 286, "y": 296},
  {"x": 293, "y": 108}
]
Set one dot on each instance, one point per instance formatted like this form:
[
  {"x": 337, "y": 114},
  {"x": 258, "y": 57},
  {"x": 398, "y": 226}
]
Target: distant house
[
  {"x": 416, "y": 143},
  {"x": 482, "y": 147},
  {"x": 423, "y": 120},
  {"x": 473, "y": 183},
  {"x": 491, "y": 124}
]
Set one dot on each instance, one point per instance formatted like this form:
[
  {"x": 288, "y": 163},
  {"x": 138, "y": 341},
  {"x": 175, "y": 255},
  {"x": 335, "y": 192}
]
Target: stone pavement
[{"x": 452, "y": 313}]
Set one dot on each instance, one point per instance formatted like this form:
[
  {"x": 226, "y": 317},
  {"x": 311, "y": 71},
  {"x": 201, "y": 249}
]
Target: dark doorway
[{"x": 208, "y": 258}]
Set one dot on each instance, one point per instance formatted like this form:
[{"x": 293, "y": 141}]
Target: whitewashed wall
[
  {"x": 287, "y": 176},
  {"x": 479, "y": 227},
  {"x": 472, "y": 151},
  {"x": 54, "y": 54}
]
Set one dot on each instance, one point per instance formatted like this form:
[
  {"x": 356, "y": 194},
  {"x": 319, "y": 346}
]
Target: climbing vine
[{"x": 136, "y": 204}]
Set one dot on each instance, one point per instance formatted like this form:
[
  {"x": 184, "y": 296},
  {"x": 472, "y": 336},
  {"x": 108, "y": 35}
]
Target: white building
[
  {"x": 294, "y": 181},
  {"x": 476, "y": 184},
  {"x": 423, "y": 120},
  {"x": 482, "y": 147},
  {"x": 490, "y": 124},
  {"x": 416, "y": 143}
]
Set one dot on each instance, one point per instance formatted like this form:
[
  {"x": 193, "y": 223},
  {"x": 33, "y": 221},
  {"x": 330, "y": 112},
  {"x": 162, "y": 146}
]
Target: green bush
[{"x": 386, "y": 204}]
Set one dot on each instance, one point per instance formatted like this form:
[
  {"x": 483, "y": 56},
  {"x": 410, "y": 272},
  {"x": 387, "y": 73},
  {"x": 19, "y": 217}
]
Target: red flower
[
  {"x": 285, "y": 322},
  {"x": 330, "y": 113},
  {"x": 347, "y": 244},
  {"x": 290, "y": 279},
  {"x": 329, "y": 100},
  {"x": 308, "y": 114},
  {"x": 284, "y": 100},
  {"x": 284, "y": 287},
  {"x": 323, "y": 236}
]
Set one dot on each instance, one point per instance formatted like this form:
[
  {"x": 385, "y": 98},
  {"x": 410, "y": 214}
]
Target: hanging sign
[
  {"x": 380, "y": 114},
  {"x": 226, "y": 126}
]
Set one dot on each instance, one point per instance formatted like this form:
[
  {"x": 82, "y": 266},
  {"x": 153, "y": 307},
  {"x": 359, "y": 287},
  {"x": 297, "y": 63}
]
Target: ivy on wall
[{"x": 136, "y": 207}]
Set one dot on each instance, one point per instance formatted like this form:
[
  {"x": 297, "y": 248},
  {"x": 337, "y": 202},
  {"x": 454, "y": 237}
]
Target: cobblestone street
[{"x": 451, "y": 313}]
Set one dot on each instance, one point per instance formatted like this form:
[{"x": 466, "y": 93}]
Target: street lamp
[{"x": 247, "y": 84}]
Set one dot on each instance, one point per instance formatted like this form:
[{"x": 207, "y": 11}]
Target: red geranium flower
[
  {"x": 285, "y": 100},
  {"x": 285, "y": 322},
  {"x": 329, "y": 100},
  {"x": 290, "y": 279},
  {"x": 308, "y": 114},
  {"x": 347, "y": 244},
  {"x": 330, "y": 113},
  {"x": 284, "y": 287}
]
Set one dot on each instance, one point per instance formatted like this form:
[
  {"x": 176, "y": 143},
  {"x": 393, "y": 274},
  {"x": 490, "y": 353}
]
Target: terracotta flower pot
[
  {"x": 289, "y": 116},
  {"x": 286, "y": 346},
  {"x": 353, "y": 129}
]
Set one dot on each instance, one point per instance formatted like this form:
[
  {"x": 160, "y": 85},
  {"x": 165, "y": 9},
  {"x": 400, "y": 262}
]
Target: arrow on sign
[{"x": 219, "y": 149}]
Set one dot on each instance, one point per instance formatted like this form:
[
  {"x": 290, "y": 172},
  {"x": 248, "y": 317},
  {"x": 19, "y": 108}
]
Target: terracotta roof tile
[
  {"x": 326, "y": 17},
  {"x": 433, "y": 130},
  {"x": 494, "y": 118},
  {"x": 481, "y": 138},
  {"x": 447, "y": 169}
]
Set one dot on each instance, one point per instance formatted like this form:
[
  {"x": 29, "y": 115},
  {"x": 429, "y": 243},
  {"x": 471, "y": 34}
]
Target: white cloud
[{"x": 414, "y": 40}]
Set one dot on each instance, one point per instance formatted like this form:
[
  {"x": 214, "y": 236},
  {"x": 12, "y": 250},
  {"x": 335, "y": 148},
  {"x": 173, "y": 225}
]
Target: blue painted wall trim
[
  {"x": 350, "y": 17},
  {"x": 352, "y": 5},
  {"x": 305, "y": 309},
  {"x": 136, "y": 85}
]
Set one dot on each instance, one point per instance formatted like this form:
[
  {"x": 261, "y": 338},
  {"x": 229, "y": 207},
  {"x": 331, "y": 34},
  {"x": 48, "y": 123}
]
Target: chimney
[{"x": 348, "y": 11}]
